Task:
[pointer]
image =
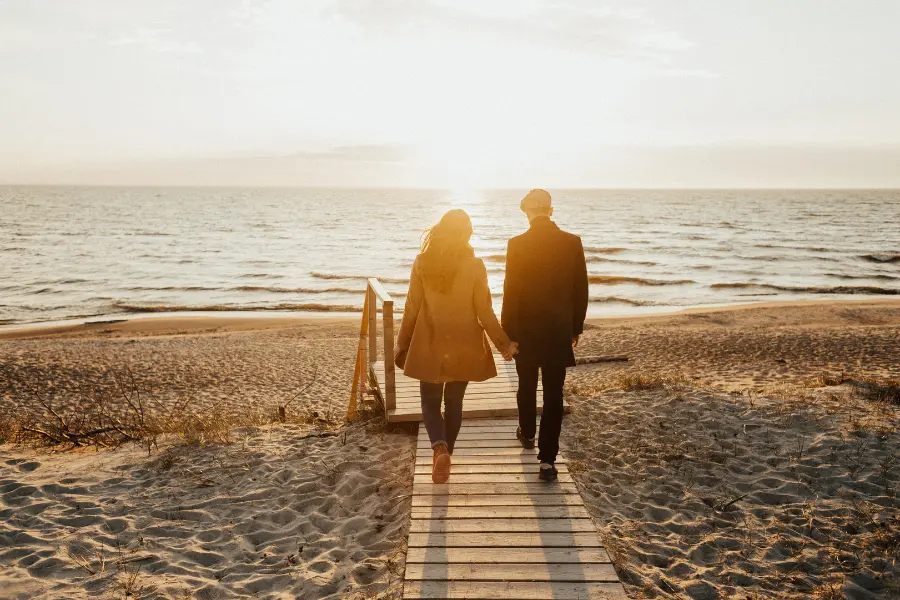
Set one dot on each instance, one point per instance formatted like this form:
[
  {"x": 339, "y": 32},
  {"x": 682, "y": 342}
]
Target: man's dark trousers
[{"x": 553, "y": 378}]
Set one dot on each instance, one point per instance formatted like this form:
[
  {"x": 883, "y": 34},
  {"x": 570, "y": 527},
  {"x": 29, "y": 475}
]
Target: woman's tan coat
[{"x": 443, "y": 335}]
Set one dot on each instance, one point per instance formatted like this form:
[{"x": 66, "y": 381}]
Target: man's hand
[
  {"x": 575, "y": 341},
  {"x": 511, "y": 351}
]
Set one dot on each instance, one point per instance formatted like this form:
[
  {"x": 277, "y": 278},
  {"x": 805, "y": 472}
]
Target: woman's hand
[{"x": 511, "y": 351}]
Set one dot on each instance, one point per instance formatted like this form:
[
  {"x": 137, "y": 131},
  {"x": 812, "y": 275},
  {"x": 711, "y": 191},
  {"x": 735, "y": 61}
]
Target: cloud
[{"x": 573, "y": 24}]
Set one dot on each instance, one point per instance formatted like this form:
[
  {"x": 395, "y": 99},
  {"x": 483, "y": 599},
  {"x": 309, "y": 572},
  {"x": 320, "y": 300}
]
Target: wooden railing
[{"x": 365, "y": 376}]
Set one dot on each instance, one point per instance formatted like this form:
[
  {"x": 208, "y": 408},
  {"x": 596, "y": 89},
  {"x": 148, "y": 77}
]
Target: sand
[
  {"x": 273, "y": 515},
  {"x": 755, "y": 346},
  {"x": 700, "y": 494},
  {"x": 658, "y": 467}
]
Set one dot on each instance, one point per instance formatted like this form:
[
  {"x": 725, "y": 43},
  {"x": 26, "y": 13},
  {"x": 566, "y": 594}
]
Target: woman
[{"x": 442, "y": 340}]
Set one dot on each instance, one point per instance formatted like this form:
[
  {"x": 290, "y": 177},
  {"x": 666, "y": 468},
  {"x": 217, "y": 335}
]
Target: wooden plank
[
  {"x": 488, "y": 459},
  {"x": 477, "y": 402},
  {"x": 471, "y": 427},
  {"x": 504, "y": 500},
  {"x": 409, "y": 414},
  {"x": 513, "y": 451},
  {"x": 537, "y": 488},
  {"x": 484, "y": 590},
  {"x": 504, "y": 540},
  {"x": 490, "y": 478},
  {"x": 502, "y": 526},
  {"x": 472, "y": 444},
  {"x": 372, "y": 316},
  {"x": 500, "y": 387},
  {"x": 479, "y": 434},
  {"x": 508, "y": 555},
  {"x": 379, "y": 290},
  {"x": 456, "y": 469},
  {"x": 482, "y": 395},
  {"x": 414, "y": 414},
  {"x": 591, "y": 572},
  {"x": 500, "y": 512},
  {"x": 390, "y": 382},
  {"x": 501, "y": 423},
  {"x": 500, "y": 383}
]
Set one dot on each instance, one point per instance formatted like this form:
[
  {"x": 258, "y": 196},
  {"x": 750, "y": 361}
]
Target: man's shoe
[
  {"x": 526, "y": 443},
  {"x": 440, "y": 466},
  {"x": 548, "y": 472}
]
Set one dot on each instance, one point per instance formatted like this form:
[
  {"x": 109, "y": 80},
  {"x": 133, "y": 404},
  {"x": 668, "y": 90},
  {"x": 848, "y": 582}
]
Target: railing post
[
  {"x": 373, "y": 324},
  {"x": 390, "y": 388}
]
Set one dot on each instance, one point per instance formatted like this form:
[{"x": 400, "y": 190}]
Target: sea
[{"x": 98, "y": 252}]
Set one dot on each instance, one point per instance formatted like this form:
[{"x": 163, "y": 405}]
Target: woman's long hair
[{"x": 444, "y": 248}]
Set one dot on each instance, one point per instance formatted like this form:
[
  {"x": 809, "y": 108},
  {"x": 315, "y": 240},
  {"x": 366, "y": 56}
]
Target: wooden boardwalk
[
  {"x": 492, "y": 398},
  {"x": 495, "y": 531}
]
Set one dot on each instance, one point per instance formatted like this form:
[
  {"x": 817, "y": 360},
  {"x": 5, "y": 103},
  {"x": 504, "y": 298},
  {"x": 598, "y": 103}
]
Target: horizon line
[{"x": 449, "y": 189}]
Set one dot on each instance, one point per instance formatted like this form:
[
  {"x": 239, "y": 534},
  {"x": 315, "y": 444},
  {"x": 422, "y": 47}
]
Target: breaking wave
[
  {"x": 316, "y": 275},
  {"x": 621, "y": 300},
  {"x": 617, "y": 280},
  {"x": 161, "y": 308},
  {"x": 881, "y": 258},
  {"x": 621, "y": 261},
  {"x": 838, "y": 289},
  {"x": 601, "y": 250}
]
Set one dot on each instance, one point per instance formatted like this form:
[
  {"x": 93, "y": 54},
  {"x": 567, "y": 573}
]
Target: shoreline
[{"x": 219, "y": 322}]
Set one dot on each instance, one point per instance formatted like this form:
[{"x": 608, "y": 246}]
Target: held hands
[
  {"x": 511, "y": 351},
  {"x": 575, "y": 341}
]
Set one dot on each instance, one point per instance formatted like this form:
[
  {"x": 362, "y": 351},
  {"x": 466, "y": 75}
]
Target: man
[{"x": 545, "y": 298}]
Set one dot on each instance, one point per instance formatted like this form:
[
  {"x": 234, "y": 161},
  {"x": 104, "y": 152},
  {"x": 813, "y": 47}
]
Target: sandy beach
[{"x": 744, "y": 452}]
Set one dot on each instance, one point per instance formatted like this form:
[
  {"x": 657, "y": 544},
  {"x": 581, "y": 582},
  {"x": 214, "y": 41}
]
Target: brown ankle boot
[{"x": 440, "y": 466}]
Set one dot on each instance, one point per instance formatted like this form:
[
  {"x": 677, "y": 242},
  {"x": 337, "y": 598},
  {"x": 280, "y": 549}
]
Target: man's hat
[{"x": 535, "y": 200}]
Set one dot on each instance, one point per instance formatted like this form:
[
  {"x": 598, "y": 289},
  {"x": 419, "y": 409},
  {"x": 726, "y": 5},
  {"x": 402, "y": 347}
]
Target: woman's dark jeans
[{"x": 442, "y": 429}]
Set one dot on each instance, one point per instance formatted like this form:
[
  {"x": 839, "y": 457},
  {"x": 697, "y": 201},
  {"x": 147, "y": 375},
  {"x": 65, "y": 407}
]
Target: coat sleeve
[
  {"x": 509, "y": 315},
  {"x": 411, "y": 308},
  {"x": 580, "y": 289},
  {"x": 484, "y": 310}
]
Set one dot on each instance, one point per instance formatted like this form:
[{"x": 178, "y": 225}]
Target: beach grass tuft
[{"x": 108, "y": 418}]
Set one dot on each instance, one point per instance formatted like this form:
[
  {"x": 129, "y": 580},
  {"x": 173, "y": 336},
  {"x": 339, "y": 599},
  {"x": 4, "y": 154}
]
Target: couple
[{"x": 448, "y": 310}]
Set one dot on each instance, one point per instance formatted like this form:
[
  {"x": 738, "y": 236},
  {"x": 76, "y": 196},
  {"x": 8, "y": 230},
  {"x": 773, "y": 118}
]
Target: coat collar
[{"x": 542, "y": 223}]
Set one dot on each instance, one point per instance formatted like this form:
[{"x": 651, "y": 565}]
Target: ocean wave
[
  {"x": 601, "y": 250},
  {"x": 879, "y": 276},
  {"x": 621, "y": 261},
  {"x": 838, "y": 289},
  {"x": 499, "y": 258},
  {"x": 172, "y": 288},
  {"x": 160, "y": 308},
  {"x": 261, "y": 276},
  {"x": 283, "y": 290},
  {"x": 881, "y": 258},
  {"x": 317, "y": 275},
  {"x": 786, "y": 247},
  {"x": 621, "y": 300},
  {"x": 616, "y": 280}
]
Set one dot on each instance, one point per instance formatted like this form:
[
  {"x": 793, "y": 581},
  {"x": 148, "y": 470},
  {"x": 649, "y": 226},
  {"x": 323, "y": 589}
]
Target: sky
[{"x": 451, "y": 93}]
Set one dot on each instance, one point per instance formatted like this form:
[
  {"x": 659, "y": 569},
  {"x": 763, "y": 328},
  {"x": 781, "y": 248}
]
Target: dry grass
[
  {"x": 109, "y": 418},
  {"x": 877, "y": 390},
  {"x": 631, "y": 381},
  {"x": 825, "y": 380}
]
